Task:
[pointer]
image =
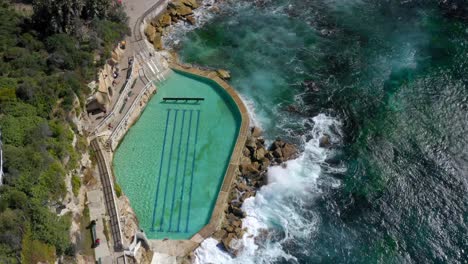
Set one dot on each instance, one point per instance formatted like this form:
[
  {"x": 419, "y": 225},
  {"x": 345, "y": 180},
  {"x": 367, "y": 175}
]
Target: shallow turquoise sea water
[{"x": 193, "y": 142}]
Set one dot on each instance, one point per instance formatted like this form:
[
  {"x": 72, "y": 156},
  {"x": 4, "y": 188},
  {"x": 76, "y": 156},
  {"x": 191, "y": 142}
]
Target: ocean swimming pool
[{"x": 172, "y": 162}]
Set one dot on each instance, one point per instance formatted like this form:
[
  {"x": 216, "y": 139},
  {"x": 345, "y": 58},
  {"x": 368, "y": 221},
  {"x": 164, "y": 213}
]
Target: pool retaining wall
[{"x": 185, "y": 247}]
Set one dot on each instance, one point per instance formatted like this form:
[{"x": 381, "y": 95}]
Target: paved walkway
[
  {"x": 135, "y": 47},
  {"x": 97, "y": 211},
  {"x": 97, "y": 198},
  {"x": 109, "y": 197}
]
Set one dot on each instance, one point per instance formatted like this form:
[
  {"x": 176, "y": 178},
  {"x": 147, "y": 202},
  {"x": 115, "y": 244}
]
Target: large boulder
[
  {"x": 179, "y": 8},
  {"x": 256, "y": 132},
  {"x": 265, "y": 163},
  {"x": 220, "y": 234},
  {"x": 246, "y": 152},
  {"x": 277, "y": 144},
  {"x": 248, "y": 169},
  {"x": 251, "y": 144},
  {"x": 165, "y": 20},
  {"x": 227, "y": 241},
  {"x": 150, "y": 32},
  {"x": 157, "y": 43},
  {"x": 289, "y": 151},
  {"x": 191, "y": 3},
  {"x": 260, "y": 153},
  {"x": 277, "y": 153},
  {"x": 191, "y": 19},
  {"x": 237, "y": 211}
]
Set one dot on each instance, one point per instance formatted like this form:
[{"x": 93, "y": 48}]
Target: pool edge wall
[{"x": 217, "y": 214}]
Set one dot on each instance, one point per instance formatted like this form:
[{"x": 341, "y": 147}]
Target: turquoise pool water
[{"x": 172, "y": 162}]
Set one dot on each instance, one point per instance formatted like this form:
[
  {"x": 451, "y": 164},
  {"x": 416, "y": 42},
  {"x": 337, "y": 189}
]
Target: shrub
[{"x": 76, "y": 184}]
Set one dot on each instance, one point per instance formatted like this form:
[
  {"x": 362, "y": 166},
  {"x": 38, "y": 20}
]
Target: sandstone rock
[
  {"x": 277, "y": 144},
  {"x": 256, "y": 132},
  {"x": 191, "y": 3},
  {"x": 237, "y": 211},
  {"x": 265, "y": 163},
  {"x": 229, "y": 229},
  {"x": 157, "y": 41},
  {"x": 220, "y": 234},
  {"x": 154, "y": 22},
  {"x": 223, "y": 74},
  {"x": 269, "y": 155},
  {"x": 237, "y": 223},
  {"x": 238, "y": 232},
  {"x": 150, "y": 32},
  {"x": 324, "y": 141},
  {"x": 247, "y": 195},
  {"x": 247, "y": 169},
  {"x": 277, "y": 153},
  {"x": 243, "y": 187},
  {"x": 180, "y": 9},
  {"x": 289, "y": 151},
  {"x": 165, "y": 20},
  {"x": 260, "y": 153},
  {"x": 261, "y": 141},
  {"x": 231, "y": 217},
  {"x": 227, "y": 241},
  {"x": 245, "y": 160},
  {"x": 256, "y": 165},
  {"x": 246, "y": 152},
  {"x": 251, "y": 144},
  {"x": 184, "y": 11},
  {"x": 191, "y": 19}
]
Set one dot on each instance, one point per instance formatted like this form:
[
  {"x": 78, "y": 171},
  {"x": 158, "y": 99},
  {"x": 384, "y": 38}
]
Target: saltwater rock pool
[{"x": 172, "y": 162}]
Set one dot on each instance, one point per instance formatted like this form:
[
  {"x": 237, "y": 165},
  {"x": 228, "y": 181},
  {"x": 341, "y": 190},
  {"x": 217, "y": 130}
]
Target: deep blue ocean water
[{"x": 387, "y": 82}]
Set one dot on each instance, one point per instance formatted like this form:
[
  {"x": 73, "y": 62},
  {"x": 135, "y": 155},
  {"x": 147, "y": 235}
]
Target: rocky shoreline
[
  {"x": 252, "y": 175},
  {"x": 177, "y": 10}
]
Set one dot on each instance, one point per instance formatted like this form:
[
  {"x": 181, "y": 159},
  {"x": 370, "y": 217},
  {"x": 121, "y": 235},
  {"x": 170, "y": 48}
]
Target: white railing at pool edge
[
  {"x": 119, "y": 102},
  {"x": 125, "y": 119}
]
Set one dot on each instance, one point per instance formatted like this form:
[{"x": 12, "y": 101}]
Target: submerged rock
[{"x": 324, "y": 141}]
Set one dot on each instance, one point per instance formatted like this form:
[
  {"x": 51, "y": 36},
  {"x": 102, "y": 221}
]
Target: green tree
[{"x": 57, "y": 16}]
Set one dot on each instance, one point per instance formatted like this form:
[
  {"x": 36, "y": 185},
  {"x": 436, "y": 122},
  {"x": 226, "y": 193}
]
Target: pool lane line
[
  {"x": 185, "y": 170},
  {"x": 160, "y": 169},
  {"x": 177, "y": 170},
  {"x": 168, "y": 171},
  {"x": 193, "y": 168}
]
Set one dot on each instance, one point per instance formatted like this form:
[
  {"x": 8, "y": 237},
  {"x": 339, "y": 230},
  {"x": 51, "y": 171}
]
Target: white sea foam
[
  {"x": 279, "y": 206},
  {"x": 250, "y": 104}
]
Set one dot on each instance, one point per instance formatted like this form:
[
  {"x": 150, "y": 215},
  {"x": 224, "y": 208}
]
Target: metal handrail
[{"x": 129, "y": 111}]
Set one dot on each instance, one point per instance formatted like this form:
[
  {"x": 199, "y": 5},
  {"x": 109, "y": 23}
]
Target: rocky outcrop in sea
[
  {"x": 178, "y": 10},
  {"x": 252, "y": 176}
]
